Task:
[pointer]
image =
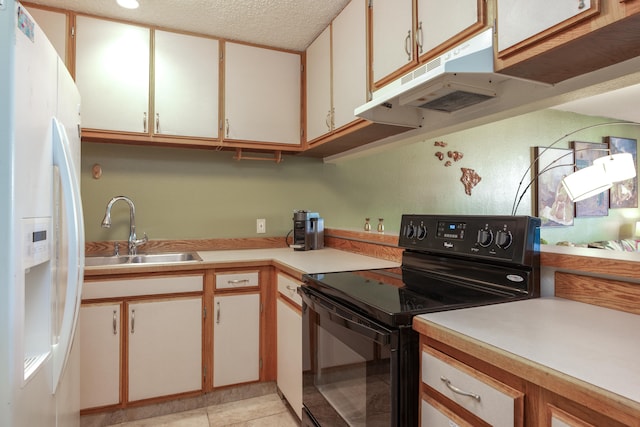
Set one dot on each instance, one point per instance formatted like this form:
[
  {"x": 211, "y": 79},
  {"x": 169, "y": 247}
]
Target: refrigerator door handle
[{"x": 74, "y": 219}]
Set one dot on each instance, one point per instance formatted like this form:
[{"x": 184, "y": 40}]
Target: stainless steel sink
[
  {"x": 160, "y": 258},
  {"x": 165, "y": 258}
]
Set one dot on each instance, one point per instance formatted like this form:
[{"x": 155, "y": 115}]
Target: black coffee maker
[{"x": 308, "y": 231}]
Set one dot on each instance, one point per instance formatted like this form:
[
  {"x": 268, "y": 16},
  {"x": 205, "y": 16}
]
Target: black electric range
[{"x": 449, "y": 262}]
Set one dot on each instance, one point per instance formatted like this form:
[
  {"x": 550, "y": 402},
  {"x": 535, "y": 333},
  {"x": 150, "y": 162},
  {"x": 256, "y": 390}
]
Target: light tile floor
[{"x": 264, "y": 411}]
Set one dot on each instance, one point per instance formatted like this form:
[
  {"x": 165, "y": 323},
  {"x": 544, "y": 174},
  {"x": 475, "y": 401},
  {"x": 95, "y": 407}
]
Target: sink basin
[
  {"x": 161, "y": 258},
  {"x": 165, "y": 258}
]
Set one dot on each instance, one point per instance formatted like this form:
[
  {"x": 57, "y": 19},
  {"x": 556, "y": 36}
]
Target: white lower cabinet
[
  {"x": 140, "y": 338},
  {"x": 165, "y": 347},
  {"x": 289, "y": 343},
  {"x": 100, "y": 338},
  {"x": 236, "y": 339}
]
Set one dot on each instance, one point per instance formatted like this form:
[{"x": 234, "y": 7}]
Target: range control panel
[{"x": 513, "y": 239}]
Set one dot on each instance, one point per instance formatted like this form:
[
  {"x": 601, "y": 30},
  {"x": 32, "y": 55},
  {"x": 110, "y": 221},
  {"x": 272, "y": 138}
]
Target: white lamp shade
[
  {"x": 586, "y": 183},
  {"x": 618, "y": 167}
]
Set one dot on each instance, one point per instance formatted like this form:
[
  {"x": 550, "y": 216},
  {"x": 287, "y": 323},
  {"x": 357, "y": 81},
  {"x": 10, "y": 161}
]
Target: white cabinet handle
[
  {"x": 327, "y": 120},
  {"x": 407, "y": 45},
  {"x": 581, "y": 4},
  {"x": 237, "y": 281},
  {"x": 144, "y": 121},
  {"x": 157, "y": 122},
  {"x": 133, "y": 321},
  {"x": 218, "y": 312},
  {"x": 459, "y": 391},
  {"x": 420, "y": 37},
  {"x": 115, "y": 322},
  {"x": 292, "y": 288},
  {"x": 227, "y": 128}
]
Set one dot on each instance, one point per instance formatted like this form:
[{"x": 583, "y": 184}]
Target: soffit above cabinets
[{"x": 284, "y": 24}]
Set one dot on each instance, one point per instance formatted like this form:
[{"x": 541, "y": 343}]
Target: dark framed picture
[
  {"x": 623, "y": 194},
  {"x": 584, "y": 154},
  {"x": 553, "y": 206}
]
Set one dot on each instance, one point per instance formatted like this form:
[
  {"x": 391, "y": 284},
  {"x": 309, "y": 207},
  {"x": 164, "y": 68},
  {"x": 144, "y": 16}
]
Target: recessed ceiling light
[{"x": 128, "y": 4}]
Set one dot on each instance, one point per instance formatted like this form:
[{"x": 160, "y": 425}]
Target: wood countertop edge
[{"x": 584, "y": 393}]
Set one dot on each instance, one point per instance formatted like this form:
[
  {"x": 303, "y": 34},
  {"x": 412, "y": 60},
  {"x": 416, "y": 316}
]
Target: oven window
[{"x": 347, "y": 374}]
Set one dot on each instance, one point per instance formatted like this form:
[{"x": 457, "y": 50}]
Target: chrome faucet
[{"x": 134, "y": 242}]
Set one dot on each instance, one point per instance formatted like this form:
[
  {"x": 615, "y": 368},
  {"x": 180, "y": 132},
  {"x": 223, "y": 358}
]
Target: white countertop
[
  {"x": 324, "y": 260},
  {"x": 593, "y": 344}
]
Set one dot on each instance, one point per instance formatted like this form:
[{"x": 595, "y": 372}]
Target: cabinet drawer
[
  {"x": 246, "y": 279},
  {"x": 483, "y": 396},
  {"x": 434, "y": 414},
  {"x": 288, "y": 287},
  {"x": 141, "y": 286}
]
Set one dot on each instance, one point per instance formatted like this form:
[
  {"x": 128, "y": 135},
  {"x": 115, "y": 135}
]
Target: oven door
[{"x": 356, "y": 372}]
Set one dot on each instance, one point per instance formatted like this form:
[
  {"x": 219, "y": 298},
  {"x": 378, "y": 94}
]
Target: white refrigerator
[{"x": 41, "y": 228}]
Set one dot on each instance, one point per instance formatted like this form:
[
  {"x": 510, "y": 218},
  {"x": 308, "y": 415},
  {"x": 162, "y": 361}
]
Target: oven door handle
[{"x": 350, "y": 320}]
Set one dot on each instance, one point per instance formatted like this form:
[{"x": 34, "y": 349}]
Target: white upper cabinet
[
  {"x": 518, "y": 20},
  {"x": 440, "y": 21},
  {"x": 262, "y": 95},
  {"x": 393, "y": 36},
  {"x": 349, "y": 31},
  {"x": 319, "y": 114},
  {"x": 54, "y": 25},
  {"x": 406, "y": 33},
  {"x": 112, "y": 74},
  {"x": 337, "y": 72},
  {"x": 186, "y": 85}
]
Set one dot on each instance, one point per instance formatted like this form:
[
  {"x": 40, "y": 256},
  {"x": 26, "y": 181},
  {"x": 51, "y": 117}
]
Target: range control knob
[
  {"x": 504, "y": 238},
  {"x": 410, "y": 231},
  {"x": 485, "y": 237},
  {"x": 422, "y": 231}
]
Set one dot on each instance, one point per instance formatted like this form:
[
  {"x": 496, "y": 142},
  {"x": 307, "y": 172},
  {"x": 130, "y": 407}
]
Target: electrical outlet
[{"x": 261, "y": 225}]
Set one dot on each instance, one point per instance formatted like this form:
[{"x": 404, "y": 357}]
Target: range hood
[{"x": 460, "y": 78}]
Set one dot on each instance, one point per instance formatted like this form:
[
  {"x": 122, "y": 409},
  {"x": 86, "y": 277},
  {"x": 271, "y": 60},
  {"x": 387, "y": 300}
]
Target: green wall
[{"x": 189, "y": 194}]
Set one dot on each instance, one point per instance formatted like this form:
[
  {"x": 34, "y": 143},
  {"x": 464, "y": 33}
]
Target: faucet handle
[{"x": 142, "y": 241}]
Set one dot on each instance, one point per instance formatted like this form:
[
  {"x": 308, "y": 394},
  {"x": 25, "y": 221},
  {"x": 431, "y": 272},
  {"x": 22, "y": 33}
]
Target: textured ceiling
[{"x": 286, "y": 24}]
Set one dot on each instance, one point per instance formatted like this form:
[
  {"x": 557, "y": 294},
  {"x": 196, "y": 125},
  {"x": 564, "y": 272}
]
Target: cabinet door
[
  {"x": 289, "y": 343},
  {"x": 165, "y": 347},
  {"x": 186, "y": 85},
  {"x": 54, "y": 25},
  {"x": 112, "y": 74},
  {"x": 518, "y": 20},
  {"x": 439, "y": 22},
  {"x": 393, "y": 36},
  {"x": 349, "y": 56},
  {"x": 236, "y": 339},
  {"x": 319, "y": 120},
  {"x": 100, "y": 340},
  {"x": 262, "y": 95}
]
